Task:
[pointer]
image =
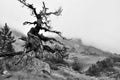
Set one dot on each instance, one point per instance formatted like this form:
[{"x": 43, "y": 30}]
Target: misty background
[{"x": 96, "y": 22}]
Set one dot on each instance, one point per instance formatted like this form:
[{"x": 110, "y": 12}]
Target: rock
[
  {"x": 6, "y": 74},
  {"x": 40, "y": 66}
]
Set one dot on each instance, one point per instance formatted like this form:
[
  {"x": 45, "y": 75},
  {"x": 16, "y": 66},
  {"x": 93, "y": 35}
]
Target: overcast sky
[{"x": 96, "y": 22}]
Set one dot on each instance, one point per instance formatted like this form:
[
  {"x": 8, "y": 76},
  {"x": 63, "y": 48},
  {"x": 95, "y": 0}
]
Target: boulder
[{"x": 40, "y": 67}]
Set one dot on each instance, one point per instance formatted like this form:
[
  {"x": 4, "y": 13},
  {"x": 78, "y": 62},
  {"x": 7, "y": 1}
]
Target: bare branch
[
  {"x": 11, "y": 54},
  {"x": 49, "y": 27},
  {"x": 30, "y": 6},
  {"x": 44, "y": 8},
  {"x": 47, "y": 48},
  {"x": 27, "y": 22},
  {"x": 57, "y": 13}
]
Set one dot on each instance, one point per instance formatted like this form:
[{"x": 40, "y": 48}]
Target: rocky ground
[
  {"x": 42, "y": 71},
  {"x": 81, "y": 55}
]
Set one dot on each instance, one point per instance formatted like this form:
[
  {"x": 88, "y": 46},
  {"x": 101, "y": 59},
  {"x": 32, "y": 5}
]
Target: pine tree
[{"x": 6, "y": 40}]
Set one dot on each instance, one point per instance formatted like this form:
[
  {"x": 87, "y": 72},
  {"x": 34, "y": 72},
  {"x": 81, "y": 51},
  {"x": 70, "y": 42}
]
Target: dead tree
[{"x": 35, "y": 41}]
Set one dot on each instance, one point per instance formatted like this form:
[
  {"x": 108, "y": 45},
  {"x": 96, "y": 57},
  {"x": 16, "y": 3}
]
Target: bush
[
  {"x": 93, "y": 71},
  {"x": 100, "y": 66},
  {"x": 76, "y": 65}
]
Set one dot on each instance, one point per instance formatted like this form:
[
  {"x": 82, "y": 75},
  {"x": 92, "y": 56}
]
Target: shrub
[
  {"x": 100, "y": 66},
  {"x": 76, "y": 65}
]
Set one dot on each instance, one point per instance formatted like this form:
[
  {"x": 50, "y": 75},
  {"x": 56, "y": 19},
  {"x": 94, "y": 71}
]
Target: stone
[{"x": 40, "y": 66}]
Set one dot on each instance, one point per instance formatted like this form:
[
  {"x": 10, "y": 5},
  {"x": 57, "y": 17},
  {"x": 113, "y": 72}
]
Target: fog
[{"x": 96, "y": 22}]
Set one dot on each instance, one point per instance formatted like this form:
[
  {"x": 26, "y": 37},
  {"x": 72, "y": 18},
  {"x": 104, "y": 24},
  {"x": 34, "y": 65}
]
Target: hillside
[
  {"x": 81, "y": 58},
  {"x": 74, "y": 44},
  {"x": 79, "y": 47},
  {"x": 86, "y": 54}
]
